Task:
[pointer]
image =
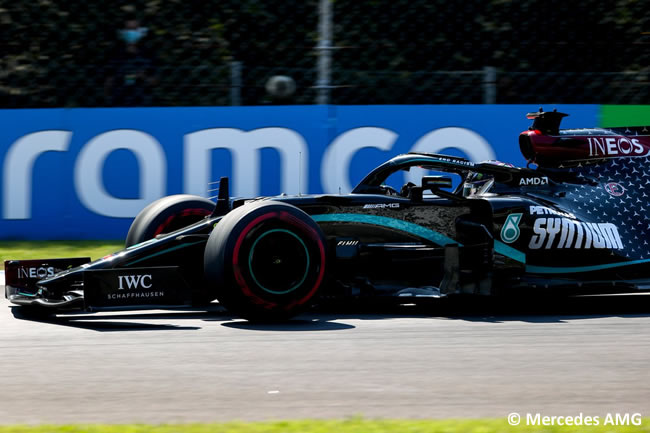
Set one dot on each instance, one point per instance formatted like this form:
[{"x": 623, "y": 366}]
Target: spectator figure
[{"x": 132, "y": 72}]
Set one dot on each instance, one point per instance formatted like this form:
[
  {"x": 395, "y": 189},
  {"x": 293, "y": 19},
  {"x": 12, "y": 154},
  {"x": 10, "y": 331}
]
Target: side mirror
[{"x": 434, "y": 183}]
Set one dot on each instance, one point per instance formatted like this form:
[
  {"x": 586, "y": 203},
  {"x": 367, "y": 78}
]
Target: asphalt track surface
[{"x": 590, "y": 356}]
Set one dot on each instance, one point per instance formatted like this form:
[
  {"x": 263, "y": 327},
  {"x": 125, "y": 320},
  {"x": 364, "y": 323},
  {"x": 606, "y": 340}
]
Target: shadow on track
[
  {"x": 544, "y": 309},
  {"x": 123, "y": 321},
  {"x": 500, "y": 309},
  {"x": 316, "y": 324},
  {"x": 100, "y": 323},
  {"x": 329, "y": 317},
  {"x": 126, "y": 321}
]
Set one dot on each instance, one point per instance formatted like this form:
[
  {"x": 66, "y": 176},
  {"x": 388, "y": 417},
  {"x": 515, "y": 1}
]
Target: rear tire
[
  {"x": 265, "y": 261},
  {"x": 166, "y": 215}
]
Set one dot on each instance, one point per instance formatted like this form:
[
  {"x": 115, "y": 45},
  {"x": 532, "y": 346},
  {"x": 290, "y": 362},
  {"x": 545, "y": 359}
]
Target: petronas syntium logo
[{"x": 510, "y": 230}]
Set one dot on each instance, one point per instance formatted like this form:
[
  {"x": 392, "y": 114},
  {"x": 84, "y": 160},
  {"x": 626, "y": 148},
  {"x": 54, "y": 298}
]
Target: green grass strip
[
  {"x": 24, "y": 250},
  {"x": 624, "y": 115},
  {"x": 354, "y": 425}
]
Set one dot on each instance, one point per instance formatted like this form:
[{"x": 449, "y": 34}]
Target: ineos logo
[
  {"x": 614, "y": 146},
  {"x": 134, "y": 281},
  {"x": 41, "y": 272}
]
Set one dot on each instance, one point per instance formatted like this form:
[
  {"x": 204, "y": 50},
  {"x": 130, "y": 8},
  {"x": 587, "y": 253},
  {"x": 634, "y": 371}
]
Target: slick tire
[
  {"x": 265, "y": 261},
  {"x": 166, "y": 215}
]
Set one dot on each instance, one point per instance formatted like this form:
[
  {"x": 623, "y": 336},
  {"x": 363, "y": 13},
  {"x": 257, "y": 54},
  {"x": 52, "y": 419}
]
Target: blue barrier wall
[{"x": 85, "y": 173}]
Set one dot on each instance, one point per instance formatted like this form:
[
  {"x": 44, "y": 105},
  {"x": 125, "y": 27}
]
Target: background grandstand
[{"x": 71, "y": 53}]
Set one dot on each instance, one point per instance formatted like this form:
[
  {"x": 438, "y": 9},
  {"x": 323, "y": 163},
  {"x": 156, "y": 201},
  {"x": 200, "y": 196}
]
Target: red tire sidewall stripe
[
  {"x": 321, "y": 248},
  {"x": 310, "y": 231},
  {"x": 183, "y": 213},
  {"x": 239, "y": 277}
]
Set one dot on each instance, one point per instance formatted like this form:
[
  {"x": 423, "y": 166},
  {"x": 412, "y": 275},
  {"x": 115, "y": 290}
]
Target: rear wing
[
  {"x": 545, "y": 144},
  {"x": 548, "y": 122}
]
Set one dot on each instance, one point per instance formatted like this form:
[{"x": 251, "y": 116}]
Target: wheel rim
[{"x": 278, "y": 261}]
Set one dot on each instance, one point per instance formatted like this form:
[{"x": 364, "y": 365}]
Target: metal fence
[{"x": 71, "y": 53}]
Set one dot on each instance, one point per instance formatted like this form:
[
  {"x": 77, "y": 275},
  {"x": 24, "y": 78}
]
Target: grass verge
[
  {"x": 354, "y": 425},
  {"x": 24, "y": 250}
]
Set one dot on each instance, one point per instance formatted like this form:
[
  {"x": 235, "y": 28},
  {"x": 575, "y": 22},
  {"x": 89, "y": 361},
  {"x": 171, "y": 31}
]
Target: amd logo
[
  {"x": 41, "y": 272},
  {"x": 134, "y": 281},
  {"x": 533, "y": 181}
]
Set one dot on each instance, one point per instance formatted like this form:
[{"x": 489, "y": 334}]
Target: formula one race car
[{"x": 575, "y": 223}]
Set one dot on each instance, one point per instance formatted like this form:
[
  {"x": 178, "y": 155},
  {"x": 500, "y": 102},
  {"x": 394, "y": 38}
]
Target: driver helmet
[{"x": 475, "y": 181}]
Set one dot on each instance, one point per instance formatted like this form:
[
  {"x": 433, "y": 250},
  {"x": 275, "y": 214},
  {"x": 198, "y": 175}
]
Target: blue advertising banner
[{"x": 85, "y": 173}]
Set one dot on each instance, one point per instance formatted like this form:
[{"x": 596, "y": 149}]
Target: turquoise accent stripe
[
  {"x": 404, "y": 226},
  {"x": 441, "y": 239},
  {"x": 519, "y": 256},
  {"x": 553, "y": 270},
  {"x": 177, "y": 247},
  {"x": 508, "y": 251}
]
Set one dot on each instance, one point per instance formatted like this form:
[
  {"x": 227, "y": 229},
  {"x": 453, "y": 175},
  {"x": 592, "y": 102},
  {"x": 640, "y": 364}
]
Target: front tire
[
  {"x": 265, "y": 261},
  {"x": 166, "y": 215}
]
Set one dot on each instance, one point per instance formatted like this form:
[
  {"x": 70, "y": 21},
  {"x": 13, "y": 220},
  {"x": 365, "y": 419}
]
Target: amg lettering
[
  {"x": 623, "y": 419},
  {"x": 565, "y": 233},
  {"x": 381, "y": 206},
  {"x": 134, "y": 281}
]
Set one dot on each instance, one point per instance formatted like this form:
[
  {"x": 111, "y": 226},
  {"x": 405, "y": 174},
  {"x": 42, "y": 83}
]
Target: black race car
[{"x": 574, "y": 221}]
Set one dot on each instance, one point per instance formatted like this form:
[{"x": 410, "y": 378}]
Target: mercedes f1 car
[{"x": 574, "y": 221}]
